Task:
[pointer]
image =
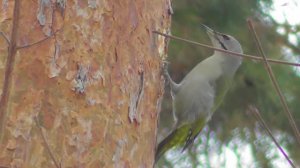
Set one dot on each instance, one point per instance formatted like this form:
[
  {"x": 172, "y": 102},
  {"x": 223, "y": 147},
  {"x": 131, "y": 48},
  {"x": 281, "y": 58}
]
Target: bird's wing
[
  {"x": 222, "y": 85},
  {"x": 193, "y": 101},
  {"x": 184, "y": 133},
  {"x": 194, "y": 132},
  {"x": 178, "y": 137}
]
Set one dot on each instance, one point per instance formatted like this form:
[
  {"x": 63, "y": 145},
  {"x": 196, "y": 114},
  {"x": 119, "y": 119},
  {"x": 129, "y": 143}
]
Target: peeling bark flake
[
  {"x": 23, "y": 126},
  {"x": 41, "y": 17},
  {"x": 4, "y": 4},
  {"x": 135, "y": 99},
  {"x": 86, "y": 76},
  {"x": 61, "y": 4},
  {"x": 82, "y": 137},
  {"x": 105, "y": 128},
  {"x": 92, "y": 4},
  {"x": 162, "y": 44},
  {"x": 133, "y": 15},
  {"x": 119, "y": 150},
  {"x": 158, "y": 104},
  {"x": 80, "y": 81},
  {"x": 133, "y": 150},
  {"x": 91, "y": 101},
  {"x": 170, "y": 9},
  {"x": 54, "y": 67},
  {"x": 98, "y": 75}
]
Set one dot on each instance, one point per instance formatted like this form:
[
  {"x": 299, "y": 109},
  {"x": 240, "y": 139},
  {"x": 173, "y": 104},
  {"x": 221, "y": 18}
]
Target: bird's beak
[
  {"x": 211, "y": 33},
  {"x": 206, "y": 27}
]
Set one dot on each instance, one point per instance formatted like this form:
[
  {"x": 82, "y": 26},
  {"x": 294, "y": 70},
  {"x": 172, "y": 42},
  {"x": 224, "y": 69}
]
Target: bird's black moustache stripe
[{"x": 223, "y": 46}]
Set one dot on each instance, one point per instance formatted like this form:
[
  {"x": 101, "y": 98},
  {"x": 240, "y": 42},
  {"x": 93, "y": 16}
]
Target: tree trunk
[{"x": 81, "y": 82}]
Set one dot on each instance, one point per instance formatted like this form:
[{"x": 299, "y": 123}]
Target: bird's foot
[{"x": 165, "y": 69}]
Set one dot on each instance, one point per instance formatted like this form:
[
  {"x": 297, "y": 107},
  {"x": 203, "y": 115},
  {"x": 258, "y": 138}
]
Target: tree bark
[{"x": 80, "y": 82}]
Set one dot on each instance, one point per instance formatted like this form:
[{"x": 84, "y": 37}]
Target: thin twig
[
  {"x": 9, "y": 67},
  {"x": 275, "y": 83},
  {"x": 5, "y": 37},
  {"x": 253, "y": 57},
  {"x": 263, "y": 124},
  {"x": 40, "y": 41},
  {"x": 3, "y": 166},
  {"x": 46, "y": 144}
]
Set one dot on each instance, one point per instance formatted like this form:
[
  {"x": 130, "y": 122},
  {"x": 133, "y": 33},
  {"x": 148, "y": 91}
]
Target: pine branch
[
  {"x": 47, "y": 146},
  {"x": 5, "y": 37},
  {"x": 275, "y": 83},
  {"x": 263, "y": 124}
]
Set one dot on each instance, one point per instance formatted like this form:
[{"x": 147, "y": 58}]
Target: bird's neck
[{"x": 229, "y": 63}]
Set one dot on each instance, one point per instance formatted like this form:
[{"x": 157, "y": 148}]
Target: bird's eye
[{"x": 225, "y": 37}]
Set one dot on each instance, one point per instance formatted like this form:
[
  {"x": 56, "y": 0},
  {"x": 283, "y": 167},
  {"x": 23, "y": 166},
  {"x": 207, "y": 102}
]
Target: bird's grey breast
[{"x": 195, "y": 99}]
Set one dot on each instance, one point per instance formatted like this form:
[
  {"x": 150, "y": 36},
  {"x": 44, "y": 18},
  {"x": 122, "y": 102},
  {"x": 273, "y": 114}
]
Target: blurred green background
[{"x": 233, "y": 138}]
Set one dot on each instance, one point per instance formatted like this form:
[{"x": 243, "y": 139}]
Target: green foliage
[{"x": 252, "y": 85}]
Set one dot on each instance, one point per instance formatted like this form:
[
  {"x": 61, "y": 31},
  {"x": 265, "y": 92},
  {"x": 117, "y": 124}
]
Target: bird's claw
[{"x": 165, "y": 68}]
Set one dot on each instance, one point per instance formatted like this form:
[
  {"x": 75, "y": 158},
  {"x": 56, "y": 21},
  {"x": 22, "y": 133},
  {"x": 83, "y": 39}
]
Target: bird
[{"x": 200, "y": 93}]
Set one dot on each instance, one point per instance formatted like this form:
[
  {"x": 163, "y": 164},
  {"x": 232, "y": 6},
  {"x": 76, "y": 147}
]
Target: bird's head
[{"x": 223, "y": 41}]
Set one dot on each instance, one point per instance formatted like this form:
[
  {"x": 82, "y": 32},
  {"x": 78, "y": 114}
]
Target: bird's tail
[{"x": 175, "y": 138}]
